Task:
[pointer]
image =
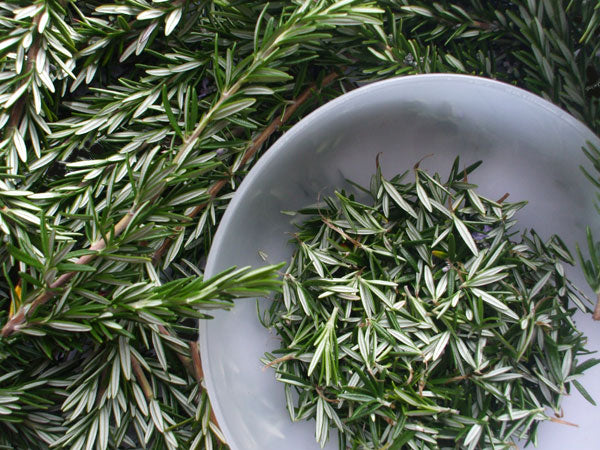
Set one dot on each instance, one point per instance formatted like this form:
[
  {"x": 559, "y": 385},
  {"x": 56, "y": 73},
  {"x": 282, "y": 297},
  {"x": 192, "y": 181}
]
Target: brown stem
[
  {"x": 416, "y": 166},
  {"x": 103, "y": 387},
  {"x": 341, "y": 232},
  {"x": 388, "y": 420},
  {"x": 199, "y": 375},
  {"x": 504, "y": 197},
  {"x": 457, "y": 378},
  {"x": 280, "y": 120},
  {"x": 564, "y": 422},
  {"x": 193, "y": 365},
  {"x": 596, "y": 315},
  {"x": 17, "y": 321},
  {"x": 410, "y": 375},
  {"x": 421, "y": 385},
  {"x": 248, "y": 153},
  {"x": 322, "y": 395},
  {"x": 187, "y": 362},
  {"x": 279, "y": 360},
  {"x": 141, "y": 379},
  {"x": 15, "y": 114}
]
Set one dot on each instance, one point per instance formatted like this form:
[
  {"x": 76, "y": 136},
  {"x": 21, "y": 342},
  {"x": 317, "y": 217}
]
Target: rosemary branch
[
  {"x": 15, "y": 322},
  {"x": 249, "y": 153},
  {"x": 16, "y": 112}
]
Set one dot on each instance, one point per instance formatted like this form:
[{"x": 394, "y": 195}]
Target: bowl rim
[{"x": 272, "y": 152}]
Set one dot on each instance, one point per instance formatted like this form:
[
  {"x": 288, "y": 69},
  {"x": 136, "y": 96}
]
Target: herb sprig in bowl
[{"x": 421, "y": 318}]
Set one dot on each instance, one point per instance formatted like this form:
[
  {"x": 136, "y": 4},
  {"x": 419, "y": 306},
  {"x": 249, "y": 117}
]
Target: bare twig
[
  {"x": 199, "y": 375},
  {"x": 563, "y": 422},
  {"x": 279, "y": 360},
  {"x": 141, "y": 378},
  {"x": 504, "y": 197},
  {"x": 596, "y": 315},
  {"x": 187, "y": 362},
  {"x": 322, "y": 395},
  {"x": 341, "y": 232}
]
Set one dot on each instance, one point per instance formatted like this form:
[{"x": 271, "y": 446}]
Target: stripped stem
[
  {"x": 596, "y": 315},
  {"x": 141, "y": 379},
  {"x": 199, "y": 375}
]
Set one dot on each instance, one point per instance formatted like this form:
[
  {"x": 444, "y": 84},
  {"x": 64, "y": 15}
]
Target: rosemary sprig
[
  {"x": 591, "y": 266},
  {"x": 418, "y": 317}
]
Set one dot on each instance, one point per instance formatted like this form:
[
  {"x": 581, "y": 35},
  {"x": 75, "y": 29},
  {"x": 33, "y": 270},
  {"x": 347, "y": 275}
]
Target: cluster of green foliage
[
  {"x": 417, "y": 317},
  {"x": 125, "y": 130}
]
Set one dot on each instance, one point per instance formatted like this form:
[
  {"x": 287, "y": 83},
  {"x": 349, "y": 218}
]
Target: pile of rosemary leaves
[{"x": 420, "y": 318}]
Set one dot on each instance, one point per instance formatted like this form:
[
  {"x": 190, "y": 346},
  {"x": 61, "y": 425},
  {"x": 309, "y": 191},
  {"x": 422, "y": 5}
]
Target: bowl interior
[{"x": 529, "y": 148}]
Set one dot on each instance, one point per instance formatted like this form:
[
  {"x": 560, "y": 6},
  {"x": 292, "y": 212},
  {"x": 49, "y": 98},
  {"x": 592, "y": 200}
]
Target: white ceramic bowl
[{"x": 529, "y": 148}]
